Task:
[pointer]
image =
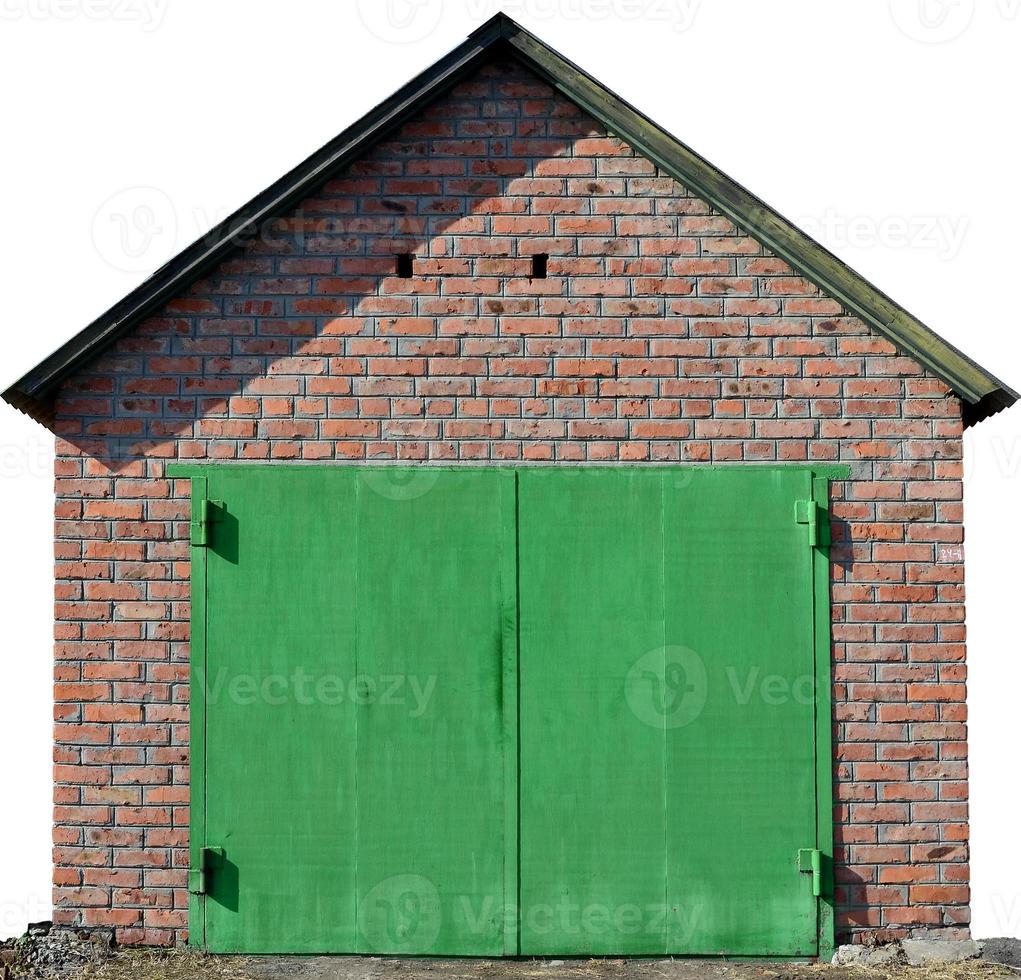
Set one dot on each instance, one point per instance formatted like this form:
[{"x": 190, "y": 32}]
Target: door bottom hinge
[
  {"x": 810, "y": 862},
  {"x": 808, "y": 512},
  {"x": 210, "y": 858},
  {"x": 205, "y": 513}
]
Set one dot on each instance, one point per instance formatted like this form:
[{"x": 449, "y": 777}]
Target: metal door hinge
[
  {"x": 206, "y": 512},
  {"x": 807, "y": 512},
  {"x": 210, "y": 858},
  {"x": 810, "y": 862}
]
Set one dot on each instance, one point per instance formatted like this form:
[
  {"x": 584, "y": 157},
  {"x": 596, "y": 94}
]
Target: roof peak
[{"x": 499, "y": 22}]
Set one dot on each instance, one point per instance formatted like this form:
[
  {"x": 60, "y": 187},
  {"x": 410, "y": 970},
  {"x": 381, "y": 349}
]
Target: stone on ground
[
  {"x": 1002, "y": 950},
  {"x": 922, "y": 952}
]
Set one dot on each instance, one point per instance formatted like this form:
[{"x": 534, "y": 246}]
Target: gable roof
[{"x": 981, "y": 393}]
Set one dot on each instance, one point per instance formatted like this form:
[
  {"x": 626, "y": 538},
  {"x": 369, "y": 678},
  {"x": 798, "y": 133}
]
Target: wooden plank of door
[
  {"x": 280, "y": 733},
  {"x": 592, "y": 782},
  {"x": 435, "y": 587}
]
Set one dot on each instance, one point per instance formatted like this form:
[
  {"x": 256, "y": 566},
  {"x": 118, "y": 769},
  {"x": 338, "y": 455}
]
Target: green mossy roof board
[{"x": 981, "y": 393}]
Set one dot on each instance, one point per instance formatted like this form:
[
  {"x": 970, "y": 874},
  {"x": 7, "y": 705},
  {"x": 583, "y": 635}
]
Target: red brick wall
[{"x": 662, "y": 333}]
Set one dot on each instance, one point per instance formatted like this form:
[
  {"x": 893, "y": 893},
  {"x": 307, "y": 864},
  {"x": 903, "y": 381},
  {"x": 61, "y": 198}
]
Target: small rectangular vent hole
[
  {"x": 539, "y": 263},
  {"x": 405, "y": 265}
]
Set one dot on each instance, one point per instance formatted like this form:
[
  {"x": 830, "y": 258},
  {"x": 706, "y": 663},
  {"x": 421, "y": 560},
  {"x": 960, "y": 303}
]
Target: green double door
[{"x": 497, "y": 712}]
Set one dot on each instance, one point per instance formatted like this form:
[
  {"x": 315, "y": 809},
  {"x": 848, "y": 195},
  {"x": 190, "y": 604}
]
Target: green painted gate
[{"x": 494, "y": 711}]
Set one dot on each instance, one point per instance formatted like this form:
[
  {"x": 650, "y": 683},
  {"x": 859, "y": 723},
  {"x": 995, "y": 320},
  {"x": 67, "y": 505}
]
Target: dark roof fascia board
[{"x": 982, "y": 393}]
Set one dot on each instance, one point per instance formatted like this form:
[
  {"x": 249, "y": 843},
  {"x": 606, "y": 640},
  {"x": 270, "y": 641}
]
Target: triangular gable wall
[{"x": 981, "y": 393}]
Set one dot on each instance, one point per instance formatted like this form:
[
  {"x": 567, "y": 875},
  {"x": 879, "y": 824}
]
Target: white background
[{"x": 887, "y": 128}]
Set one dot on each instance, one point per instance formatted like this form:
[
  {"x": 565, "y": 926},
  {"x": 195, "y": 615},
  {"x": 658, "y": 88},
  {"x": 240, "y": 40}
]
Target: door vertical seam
[{"x": 665, "y": 769}]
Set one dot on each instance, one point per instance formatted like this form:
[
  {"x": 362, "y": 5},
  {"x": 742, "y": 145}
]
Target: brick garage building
[{"x": 582, "y": 289}]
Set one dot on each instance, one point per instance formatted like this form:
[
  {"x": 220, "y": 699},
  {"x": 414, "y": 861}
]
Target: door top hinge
[
  {"x": 810, "y": 862},
  {"x": 810, "y": 513},
  {"x": 205, "y": 513}
]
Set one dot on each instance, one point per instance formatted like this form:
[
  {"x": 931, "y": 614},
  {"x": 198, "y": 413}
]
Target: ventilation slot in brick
[
  {"x": 405, "y": 265},
  {"x": 539, "y": 263}
]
